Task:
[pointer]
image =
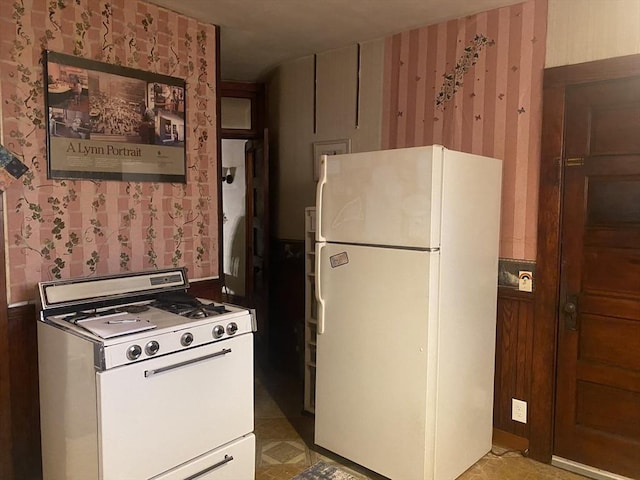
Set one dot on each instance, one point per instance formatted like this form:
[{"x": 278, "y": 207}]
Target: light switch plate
[{"x": 525, "y": 281}]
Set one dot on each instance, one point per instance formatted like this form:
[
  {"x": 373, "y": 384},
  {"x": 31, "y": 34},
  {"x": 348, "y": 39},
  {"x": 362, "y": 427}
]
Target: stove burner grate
[
  {"x": 204, "y": 311},
  {"x": 189, "y": 307},
  {"x": 133, "y": 308}
]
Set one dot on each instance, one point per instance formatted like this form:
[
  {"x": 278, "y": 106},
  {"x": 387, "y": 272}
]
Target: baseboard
[
  {"x": 510, "y": 441},
  {"x": 585, "y": 470}
]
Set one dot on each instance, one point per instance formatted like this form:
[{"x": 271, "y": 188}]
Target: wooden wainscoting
[
  {"x": 25, "y": 405},
  {"x": 209, "y": 289},
  {"x": 286, "y": 300},
  {"x": 514, "y": 347},
  {"x": 6, "y": 440}
]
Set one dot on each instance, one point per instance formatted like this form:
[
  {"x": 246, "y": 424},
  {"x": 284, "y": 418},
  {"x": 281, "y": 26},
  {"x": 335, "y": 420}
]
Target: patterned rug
[{"x": 323, "y": 471}]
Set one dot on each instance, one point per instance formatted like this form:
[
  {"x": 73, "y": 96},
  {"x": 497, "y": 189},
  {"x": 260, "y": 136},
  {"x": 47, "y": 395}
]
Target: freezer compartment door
[
  {"x": 389, "y": 197},
  {"x": 375, "y": 358}
]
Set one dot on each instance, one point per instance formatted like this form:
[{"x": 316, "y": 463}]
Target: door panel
[
  {"x": 591, "y": 414},
  {"x": 615, "y": 129},
  {"x": 597, "y": 419},
  {"x": 599, "y": 263},
  {"x": 609, "y": 340}
]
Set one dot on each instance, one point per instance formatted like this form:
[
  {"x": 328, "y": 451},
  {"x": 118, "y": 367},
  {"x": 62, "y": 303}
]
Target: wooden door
[
  {"x": 597, "y": 419},
  {"x": 257, "y": 228}
]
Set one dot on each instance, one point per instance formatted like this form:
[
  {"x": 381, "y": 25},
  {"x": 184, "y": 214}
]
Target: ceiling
[{"x": 258, "y": 35}]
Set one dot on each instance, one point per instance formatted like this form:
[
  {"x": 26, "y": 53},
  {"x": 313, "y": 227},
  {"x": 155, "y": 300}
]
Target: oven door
[{"x": 158, "y": 414}]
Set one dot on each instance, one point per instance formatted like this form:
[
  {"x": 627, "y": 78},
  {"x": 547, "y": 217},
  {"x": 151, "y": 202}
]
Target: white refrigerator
[{"x": 406, "y": 284}]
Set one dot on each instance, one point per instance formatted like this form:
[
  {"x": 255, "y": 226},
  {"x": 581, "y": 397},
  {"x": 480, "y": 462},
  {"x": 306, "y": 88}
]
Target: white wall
[
  {"x": 585, "y": 30},
  {"x": 578, "y": 31},
  {"x": 291, "y": 140},
  {"x": 291, "y": 121}
]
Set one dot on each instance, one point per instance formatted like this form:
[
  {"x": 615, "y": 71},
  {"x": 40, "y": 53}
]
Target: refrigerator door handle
[
  {"x": 319, "y": 193},
  {"x": 318, "y": 292}
]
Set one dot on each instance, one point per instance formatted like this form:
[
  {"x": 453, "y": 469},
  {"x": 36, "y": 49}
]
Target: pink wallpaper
[
  {"x": 475, "y": 85},
  {"x": 63, "y": 229}
]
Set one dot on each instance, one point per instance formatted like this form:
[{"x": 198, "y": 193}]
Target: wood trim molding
[
  {"x": 556, "y": 82},
  {"x": 217, "y": 180},
  {"x": 254, "y": 92},
  {"x": 595, "y": 71},
  {"x": 509, "y": 440},
  {"x": 547, "y": 267},
  {"x": 515, "y": 294}
]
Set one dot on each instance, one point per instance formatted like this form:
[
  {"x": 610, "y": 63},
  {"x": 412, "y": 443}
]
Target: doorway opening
[
  {"x": 234, "y": 193},
  {"x": 245, "y": 200}
]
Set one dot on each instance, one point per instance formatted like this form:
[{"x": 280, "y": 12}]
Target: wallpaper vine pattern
[
  {"x": 475, "y": 84},
  {"x": 71, "y": 228},
  {"x": 454, "y": 79}
]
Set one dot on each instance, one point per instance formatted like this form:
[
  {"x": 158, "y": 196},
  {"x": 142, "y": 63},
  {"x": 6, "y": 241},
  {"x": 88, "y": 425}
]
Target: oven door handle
[
  {"x": 227, "y": 459},
  {"x": 150, "y": 373}
]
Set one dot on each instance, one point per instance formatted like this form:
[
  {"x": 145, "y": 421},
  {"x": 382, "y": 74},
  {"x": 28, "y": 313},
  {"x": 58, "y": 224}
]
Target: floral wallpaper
[
  {"x": 58, "y": 229},
  {"x": 474, "y": 84}
]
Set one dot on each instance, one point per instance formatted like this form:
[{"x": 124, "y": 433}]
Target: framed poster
[
  {"x": 111, "y": 122},
  {"x": 330, "y": 147}
]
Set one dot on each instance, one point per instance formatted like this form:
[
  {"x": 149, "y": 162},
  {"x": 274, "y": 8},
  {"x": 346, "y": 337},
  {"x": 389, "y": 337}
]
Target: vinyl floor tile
[
  {"x": 275, "y": 428},
  {"x": 278, "y": 472},
  {"x": 284, "y": 441},
  {"x": 514, "y": 466},
  {"x": 284, "y": 452}
]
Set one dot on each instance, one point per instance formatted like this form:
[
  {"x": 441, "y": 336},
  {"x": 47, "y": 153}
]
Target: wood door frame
[
  {"x": 545, "y": 341},
  {"x": 256, "y": 93},
  {"x": 250, "y": 214}
]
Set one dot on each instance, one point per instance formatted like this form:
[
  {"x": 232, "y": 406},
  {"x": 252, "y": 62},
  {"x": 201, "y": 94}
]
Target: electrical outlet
[{"x": 518, "y": 410}]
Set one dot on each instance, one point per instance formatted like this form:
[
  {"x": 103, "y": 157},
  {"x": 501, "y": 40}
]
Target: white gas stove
[{"x": 133, "y": 363}]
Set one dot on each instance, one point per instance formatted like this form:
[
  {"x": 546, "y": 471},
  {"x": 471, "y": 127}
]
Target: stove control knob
[
  {"x": 232, "y": 328},
  {"x": 134, "y": 352},
  {"x": 152, "y": 347},
  {"x": 218, "y": 331},
  {"x": 186, "y": 339}
]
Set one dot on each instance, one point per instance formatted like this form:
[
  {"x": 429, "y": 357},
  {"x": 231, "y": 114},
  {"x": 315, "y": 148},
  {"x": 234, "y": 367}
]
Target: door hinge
[{"x": 574, "y": 162}]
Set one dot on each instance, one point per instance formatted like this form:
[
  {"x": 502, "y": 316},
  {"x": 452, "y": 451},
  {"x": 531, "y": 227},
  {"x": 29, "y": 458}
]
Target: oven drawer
[
  {"x": 234, "y": 461},
  {"x": 163, "y": 412}
]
